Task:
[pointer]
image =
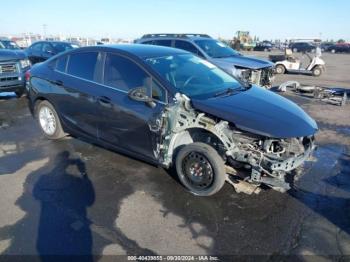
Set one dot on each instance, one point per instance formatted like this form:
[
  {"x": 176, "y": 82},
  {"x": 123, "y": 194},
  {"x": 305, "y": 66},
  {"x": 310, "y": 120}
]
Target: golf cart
[{"x": 305, "y": 65}]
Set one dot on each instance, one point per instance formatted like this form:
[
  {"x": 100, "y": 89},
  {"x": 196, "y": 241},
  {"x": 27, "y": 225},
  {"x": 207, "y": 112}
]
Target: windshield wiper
[{"x": 227, "y": 92}]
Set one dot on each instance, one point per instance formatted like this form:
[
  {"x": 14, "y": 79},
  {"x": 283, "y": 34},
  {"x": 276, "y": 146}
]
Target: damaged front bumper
[
  {"x": 294, "y": 162},
  {"x": 274, "y": 172}
]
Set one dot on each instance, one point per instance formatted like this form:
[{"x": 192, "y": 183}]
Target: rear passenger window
[
  {"x": 82, "y": 65},
  {"x": 61, "y": 64}
]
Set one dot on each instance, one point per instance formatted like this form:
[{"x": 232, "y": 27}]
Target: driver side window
[{"x": 124, "y": 74}]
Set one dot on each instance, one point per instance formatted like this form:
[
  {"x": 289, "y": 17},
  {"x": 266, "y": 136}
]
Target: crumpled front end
[
  {"x": 270, "y": 160},
  {"x": 264, "y": 160}
]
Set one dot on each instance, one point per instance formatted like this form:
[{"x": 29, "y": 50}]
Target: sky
[{"x": 130, "y": 19}]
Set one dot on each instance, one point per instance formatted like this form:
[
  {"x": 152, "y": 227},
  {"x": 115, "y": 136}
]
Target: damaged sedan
[{"x": 171, "y": 108}]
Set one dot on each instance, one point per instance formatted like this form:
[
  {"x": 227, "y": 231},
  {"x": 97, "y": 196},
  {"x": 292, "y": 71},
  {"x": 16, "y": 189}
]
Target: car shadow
[
  {"x": 57, "y": 225},
  {"x": 63, "y": 226}
]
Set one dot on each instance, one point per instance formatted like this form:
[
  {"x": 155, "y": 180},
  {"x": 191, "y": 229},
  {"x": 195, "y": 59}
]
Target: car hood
[
  {"x": 260, "y": 111},
  {"x": 7, "y": 55},
  {"x": 243, "y": 61}
]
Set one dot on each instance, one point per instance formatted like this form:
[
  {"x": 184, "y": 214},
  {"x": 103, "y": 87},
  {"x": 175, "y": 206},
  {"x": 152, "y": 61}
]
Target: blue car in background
[
  {"x": 13, "y": 65},
  {"x": 169, "y": 107}
]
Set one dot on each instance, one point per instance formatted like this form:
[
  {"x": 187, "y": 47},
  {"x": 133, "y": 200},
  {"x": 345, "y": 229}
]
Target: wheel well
[
  {"x": 192, "y": 135},
  {"x": 205, "y": 136},
  {"x": 36, "y": 103}
]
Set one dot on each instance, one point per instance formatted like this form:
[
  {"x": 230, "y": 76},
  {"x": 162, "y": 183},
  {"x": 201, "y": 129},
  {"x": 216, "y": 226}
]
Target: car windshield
[
  {"x": 7, "y": 44},
  {"x": 193, "y": 76},
  {"x": 216, "y": 49},
  {"x": 61, "y": 47}
]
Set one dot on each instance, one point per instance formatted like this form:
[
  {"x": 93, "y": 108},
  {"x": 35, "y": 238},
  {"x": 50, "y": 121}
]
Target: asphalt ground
[{"x": 69, "y": 197}]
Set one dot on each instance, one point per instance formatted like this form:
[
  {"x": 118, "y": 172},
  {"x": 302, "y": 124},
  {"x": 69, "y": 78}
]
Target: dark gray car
[
  {"x": 248, "y": 69},
  {"x": 13, "y": 65}
]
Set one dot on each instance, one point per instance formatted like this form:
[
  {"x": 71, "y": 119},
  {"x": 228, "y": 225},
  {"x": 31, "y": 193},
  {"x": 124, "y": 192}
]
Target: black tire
[
  {"x": 58, "y": 132},
  {"x": 317, "y": 71},
  {"x": 280, "y": 69},
  {"x": 19, "y": 94},
  {"x": 200, "y": 169}
]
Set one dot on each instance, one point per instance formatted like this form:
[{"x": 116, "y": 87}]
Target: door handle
[{"x": 105, "y": 101}]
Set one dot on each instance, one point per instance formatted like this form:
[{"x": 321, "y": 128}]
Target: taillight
[{"x": 27, "y": 75}]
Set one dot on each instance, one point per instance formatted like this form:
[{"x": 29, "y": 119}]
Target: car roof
[
  {"x": 189, "y": 38},
  {"x": 139, "y": 50},
  {"x": 44, "y": 41},
  {"x": 167, "y": 36}
]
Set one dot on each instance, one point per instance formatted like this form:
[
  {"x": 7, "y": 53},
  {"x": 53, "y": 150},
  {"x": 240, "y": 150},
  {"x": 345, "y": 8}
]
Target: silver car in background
[{"x": 248, "y": 69}]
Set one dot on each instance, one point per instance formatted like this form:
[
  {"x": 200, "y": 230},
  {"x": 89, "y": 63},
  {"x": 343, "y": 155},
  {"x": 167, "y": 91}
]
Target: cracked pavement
[{"x": 71, "y": 197}]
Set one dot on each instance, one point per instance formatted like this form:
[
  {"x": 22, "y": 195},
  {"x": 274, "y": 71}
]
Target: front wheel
[
  {"x": 49, "y": 121},
  {"x": 317, "y": 71},
  {"x": 200, "y": 169}
]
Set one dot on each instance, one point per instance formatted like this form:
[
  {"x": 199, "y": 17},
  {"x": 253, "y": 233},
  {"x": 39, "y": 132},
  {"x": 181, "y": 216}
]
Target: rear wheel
[
  {"x": 280, "y": 69},
  {"x": 200, "y": 169},
  {"x": 49, "y": 121},
  {"x": 317, "y": 71}
]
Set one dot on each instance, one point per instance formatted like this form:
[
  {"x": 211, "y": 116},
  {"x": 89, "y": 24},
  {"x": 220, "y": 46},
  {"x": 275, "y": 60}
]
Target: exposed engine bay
[{"x": 266, "y": 160}]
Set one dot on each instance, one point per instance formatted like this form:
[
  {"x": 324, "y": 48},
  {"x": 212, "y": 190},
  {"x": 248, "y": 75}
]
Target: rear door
[
  {"x": 75, "y": 84},
  {"x": 126, "y": 123}
]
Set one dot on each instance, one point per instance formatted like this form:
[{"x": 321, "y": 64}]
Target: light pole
[{"x": 44, "y": 30}]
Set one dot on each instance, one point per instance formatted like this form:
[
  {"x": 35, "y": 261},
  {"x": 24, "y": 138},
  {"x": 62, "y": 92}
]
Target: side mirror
[{"x": 140, "y": 94}]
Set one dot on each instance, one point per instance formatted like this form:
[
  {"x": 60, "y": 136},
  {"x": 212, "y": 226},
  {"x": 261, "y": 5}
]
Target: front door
[{"x": 128, "y": 124}]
